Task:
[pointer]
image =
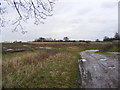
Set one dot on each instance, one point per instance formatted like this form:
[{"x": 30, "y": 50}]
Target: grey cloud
[
  {"x": 102, "y": 21},
  {"x": 109, "y": 4},
  {"x": 84, "y": 11},
  {"x": 78, "y": 20}
]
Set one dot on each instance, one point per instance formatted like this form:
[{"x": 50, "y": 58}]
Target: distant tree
[
  {"x": 88, "y": 41},
  {"x": 81, "y": 40},
  {"x": 20, "y": 42},
  {"x": 66, "y": 39},
  {"x": 15, "y": 42},
  {"x": 106, "y": 38},
  {"x": 54, "y": 40},
  {"x": 49, "y": 39},
  {"x": 97, "y": 40},
  {"x": 59, "y": 40},
  {"x": 41, "y": 39},
  {"x": 72, "y": 40},
  {"x": 117, "y": 36}
]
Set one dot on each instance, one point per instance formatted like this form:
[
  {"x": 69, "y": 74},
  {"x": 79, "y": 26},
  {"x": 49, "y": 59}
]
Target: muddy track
[{"x": 98, "y": 70}]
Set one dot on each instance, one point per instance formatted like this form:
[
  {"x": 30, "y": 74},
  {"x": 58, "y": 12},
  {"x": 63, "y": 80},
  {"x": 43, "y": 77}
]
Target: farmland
[{"x": 45, "y": 64}]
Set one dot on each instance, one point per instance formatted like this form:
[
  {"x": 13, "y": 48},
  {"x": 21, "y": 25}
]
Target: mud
[
  {"x": 98, "y": 70},
  {"x": 23, "y": 50}
]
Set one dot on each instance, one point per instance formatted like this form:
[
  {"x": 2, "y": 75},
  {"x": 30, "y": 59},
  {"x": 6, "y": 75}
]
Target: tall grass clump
[{"x": 41, "y": 69}]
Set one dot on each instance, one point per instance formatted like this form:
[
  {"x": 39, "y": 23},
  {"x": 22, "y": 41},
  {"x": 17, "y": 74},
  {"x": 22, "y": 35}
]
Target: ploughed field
[{"x": 45, "y": 64}]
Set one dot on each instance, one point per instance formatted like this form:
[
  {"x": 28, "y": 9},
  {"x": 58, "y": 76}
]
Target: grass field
[
  {"x": 55, "y": 67},
  {"x": 41, "y": 68},
  {"x": 45, "y": 68}
]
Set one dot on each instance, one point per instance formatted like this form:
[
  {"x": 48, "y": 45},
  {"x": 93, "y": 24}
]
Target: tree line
[
  {"x": 116, "y": 37},
  {"x": 66, "y": 39}
]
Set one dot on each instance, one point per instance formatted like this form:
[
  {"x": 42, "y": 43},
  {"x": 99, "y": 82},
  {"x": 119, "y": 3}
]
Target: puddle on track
[
  {"x": 84, "y": 60},
  {"x": 111, "y": 67},
  {"x": 44, "y": 47},
  {"x": 92, "y": 50},
  {"x": 103, "y": 59}
]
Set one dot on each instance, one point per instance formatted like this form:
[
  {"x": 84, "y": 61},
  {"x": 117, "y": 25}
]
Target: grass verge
[{"x": 109, "y": 48}]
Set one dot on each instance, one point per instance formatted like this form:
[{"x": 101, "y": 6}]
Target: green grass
[
  {"x": 111, "y": 48},
  {"x": 114, "y": 49},
  {"x": 41, "y": 69},
  {"x": 13, "y": 55}
]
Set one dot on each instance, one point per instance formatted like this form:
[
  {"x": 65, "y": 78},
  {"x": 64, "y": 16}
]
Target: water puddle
[
  {"x": 9, "y": 49},
  {"x": 83, "y": 60},
  {"x": 48, "y": 47},
  {"x": 26, "y": 45},
  {"x": 115, "y": 53},
  {"x": 111, "y": 67},
  {"x": 4, "y": 47},
  {"x": 44, "y": 47},
  {"x": 103, "y": 59},
  {"x": 95, "y": 68},
  {"x": 92, "y": 50}
]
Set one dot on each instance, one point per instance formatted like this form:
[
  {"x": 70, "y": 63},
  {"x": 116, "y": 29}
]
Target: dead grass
[
  {"x": 67, "y": 43},
  {"x": 71, "y": 44},
  {"x": 109, "y": 48},
  {"x": 44, "y": 69},
  {"x": 53, "y": 43}
]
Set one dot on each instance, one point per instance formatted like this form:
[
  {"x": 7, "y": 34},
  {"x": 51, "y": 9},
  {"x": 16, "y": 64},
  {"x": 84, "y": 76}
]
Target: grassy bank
[
  {"x": 109, "y": 48},
  {"x": 41, "y": 69}
]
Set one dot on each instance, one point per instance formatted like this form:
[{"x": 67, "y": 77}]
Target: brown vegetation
[{"x": 40, "y": 69}]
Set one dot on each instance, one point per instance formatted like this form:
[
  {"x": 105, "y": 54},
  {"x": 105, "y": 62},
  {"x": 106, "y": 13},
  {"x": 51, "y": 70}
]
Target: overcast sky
[{"x": 76, "y": 19}]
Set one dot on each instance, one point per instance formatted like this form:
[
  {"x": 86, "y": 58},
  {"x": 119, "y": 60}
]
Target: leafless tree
[
  {"x": 26, "y": 9},
  {"x": 66, "y": 39},
  {"x": 2, "y": 12}
]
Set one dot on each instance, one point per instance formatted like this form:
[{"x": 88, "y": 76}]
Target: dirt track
[{"x": 98, "y": 70}]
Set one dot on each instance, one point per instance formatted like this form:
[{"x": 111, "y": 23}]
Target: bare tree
[
  {"x": 117, "y": 36},
  {"x": 26, "y": 9},
  {"x": 66, "y": 39},
  {"x": 97, "y": 40},
  {"x": 2, "y": 19},
  {"x": 106, "y": 38}
]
